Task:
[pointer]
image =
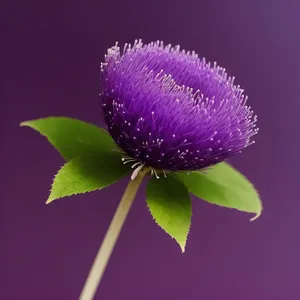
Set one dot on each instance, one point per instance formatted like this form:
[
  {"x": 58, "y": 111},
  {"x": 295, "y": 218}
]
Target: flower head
[{"x": 170, "y": 110}]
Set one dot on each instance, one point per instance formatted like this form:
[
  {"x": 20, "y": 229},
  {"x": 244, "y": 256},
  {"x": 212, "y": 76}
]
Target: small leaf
[
  {"x": 225, "y": 186},
  {"x": 170, "y": 206},
  {"x": 86, "y": 174},
  {"x": 72, "y": 137}
]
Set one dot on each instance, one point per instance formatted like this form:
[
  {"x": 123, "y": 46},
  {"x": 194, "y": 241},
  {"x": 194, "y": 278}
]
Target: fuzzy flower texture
[{"x": 170, "y": 110}]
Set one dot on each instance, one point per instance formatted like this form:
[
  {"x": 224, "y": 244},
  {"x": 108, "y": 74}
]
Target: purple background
[{"x": 50, "y": 53}]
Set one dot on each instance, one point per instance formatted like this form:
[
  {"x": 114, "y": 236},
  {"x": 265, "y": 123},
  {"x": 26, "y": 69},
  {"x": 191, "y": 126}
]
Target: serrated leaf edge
[
  {"x": 50, "y": 200},
  {"x": 257, "y": 214},
  {"x": 27, "y": 124},
  {"x": 182, "y": 247}
]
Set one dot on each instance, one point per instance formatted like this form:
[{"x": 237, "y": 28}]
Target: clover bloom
[
  {"x": 166, "y": 110},
  {"x": 170, "y": 110}
]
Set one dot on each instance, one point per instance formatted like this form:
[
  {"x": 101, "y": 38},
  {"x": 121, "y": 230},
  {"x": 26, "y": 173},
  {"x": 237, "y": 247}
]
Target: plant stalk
[{"x": 111, "y": 237}]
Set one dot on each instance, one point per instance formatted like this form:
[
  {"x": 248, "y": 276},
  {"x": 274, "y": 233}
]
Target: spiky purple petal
[{"x": 170, "y": 110}]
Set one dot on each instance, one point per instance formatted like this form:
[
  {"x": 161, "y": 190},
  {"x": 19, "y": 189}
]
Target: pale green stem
[{"x": 110, "y": 239}]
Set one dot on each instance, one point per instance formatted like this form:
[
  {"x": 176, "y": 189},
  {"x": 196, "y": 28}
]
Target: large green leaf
[
  {"x": 223, "y": 185},
  {"x": 72, "y": 137},
  {"x": 170, "y": 206},
  {"x": 86, "y": 174}
]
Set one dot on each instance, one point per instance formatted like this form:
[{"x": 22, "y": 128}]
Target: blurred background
[{"x": 50, "y": 59}]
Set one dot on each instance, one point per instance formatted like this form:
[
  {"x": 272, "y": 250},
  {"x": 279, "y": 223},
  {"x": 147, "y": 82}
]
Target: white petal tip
[{"x": 136, "y": 172}]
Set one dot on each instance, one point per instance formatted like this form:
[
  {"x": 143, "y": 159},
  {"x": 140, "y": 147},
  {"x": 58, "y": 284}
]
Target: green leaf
[
  {"x": 72, "y": 137},
  {"x": 225, "y": 186},
  {"x": 87, "y": 174},
  {"x": 170, "y": 206}
]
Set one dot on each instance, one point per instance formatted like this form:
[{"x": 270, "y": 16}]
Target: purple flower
[{"x": 170, "y": 110}]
